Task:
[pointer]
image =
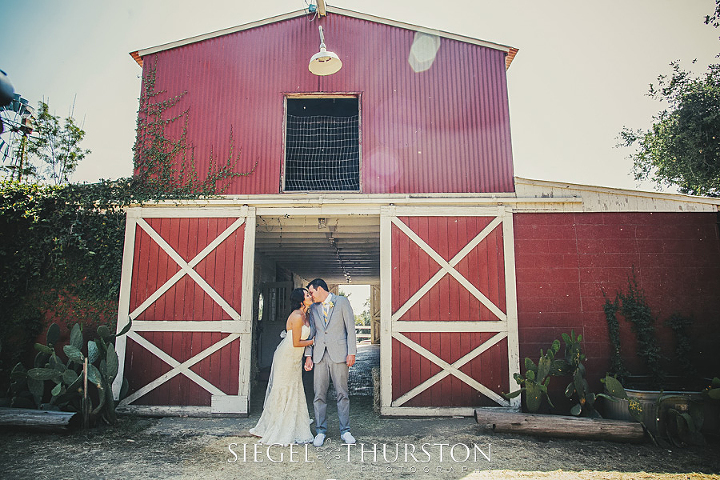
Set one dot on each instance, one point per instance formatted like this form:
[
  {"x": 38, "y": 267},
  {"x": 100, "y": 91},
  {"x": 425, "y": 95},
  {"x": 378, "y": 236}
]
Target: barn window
[{"x": 322, "y": 144}]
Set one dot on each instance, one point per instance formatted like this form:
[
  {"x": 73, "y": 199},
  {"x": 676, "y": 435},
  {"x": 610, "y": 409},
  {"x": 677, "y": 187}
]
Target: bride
[{"x": 285, "y": 417}]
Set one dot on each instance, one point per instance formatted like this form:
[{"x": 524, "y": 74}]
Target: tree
[
  {"x": 682, "y": 147},
  {"x": 714, "y": 19},
  {"x": 363, "y": 318},
  {"x": 57, "y": 147}
]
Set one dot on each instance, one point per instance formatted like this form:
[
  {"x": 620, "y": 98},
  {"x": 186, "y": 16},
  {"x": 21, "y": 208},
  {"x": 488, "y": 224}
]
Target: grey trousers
[{"x": 325, "y": 370}]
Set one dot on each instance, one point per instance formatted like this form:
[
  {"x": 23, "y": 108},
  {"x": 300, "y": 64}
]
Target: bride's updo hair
[{"x": 297, "y": 297}]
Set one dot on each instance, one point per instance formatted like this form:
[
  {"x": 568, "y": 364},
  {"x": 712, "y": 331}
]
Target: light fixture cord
[{"x": 322, "y": 37}]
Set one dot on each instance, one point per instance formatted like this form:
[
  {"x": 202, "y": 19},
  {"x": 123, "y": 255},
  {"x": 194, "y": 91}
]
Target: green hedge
[{"x": 60, "y": 259}]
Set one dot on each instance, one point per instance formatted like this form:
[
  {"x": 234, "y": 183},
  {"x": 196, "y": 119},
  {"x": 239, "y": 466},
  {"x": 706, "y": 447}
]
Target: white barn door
[
  {"x": 187, "y": 285},
  {"x": 449, "y": 335}
]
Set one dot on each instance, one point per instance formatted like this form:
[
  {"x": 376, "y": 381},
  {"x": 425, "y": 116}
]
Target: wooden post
[
  {"x": 85, "y": 406},
  {"x": 560, "y": 426}
]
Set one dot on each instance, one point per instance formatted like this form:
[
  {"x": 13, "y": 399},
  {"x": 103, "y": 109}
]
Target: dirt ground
[{"x": 450, "y": 448}]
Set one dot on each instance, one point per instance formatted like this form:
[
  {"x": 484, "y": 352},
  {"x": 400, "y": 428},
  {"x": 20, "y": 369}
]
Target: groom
[{"x": 333, "y": 326}]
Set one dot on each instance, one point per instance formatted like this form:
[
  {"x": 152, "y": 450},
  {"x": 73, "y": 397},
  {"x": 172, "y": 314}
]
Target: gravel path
[{"x": 192, "y": 448}]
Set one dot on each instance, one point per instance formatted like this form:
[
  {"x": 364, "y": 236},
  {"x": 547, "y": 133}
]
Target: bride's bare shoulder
[{"x": 295, "y": 320}]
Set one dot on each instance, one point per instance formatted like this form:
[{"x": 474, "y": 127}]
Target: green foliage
[
  {"x": 678, "y": 417},
  {"x": 537, "y": 378},
  {"x": 611, "y": 308},
  {"x": 682, "y": 147},
  {"x": 714, "y": 19},
  {"x": 615, "y": 392},
  {"x": 634, "y": 307},
  {"x": 613, "y": 388},
  {"x": 165, "y": 166},
  {"x": 682, "y": 416},
  {"x": 56, "y": 384},
  {"x": 363, "y": 318},
  {"x": 56, "y": 147},
  {"x": 713, "y": 390},
  {"x": 60, "y": 255},
  {"x": 49, "y": 151},
  {"x": 681, "y": 419},
  {"x": 683, "y": 346},
  {"x": 578, "y": 386},
  {"x": 61, "y": 246},
  {"x": 19, "y": 122}
]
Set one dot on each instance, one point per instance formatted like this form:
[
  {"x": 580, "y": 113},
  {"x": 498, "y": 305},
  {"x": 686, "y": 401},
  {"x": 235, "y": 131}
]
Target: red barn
[{"x": 395, "y": 171}]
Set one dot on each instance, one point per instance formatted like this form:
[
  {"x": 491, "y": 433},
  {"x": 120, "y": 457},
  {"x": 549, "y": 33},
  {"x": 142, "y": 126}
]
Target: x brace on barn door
[
  {"x": 238, "y": 327},
  {"x": 392, "y": 328}
]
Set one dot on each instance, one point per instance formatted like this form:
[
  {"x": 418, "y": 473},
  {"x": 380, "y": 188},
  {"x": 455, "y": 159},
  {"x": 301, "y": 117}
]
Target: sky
[
  {"x": 581, "y": 74},
  {"x": 358, "y": 295}
]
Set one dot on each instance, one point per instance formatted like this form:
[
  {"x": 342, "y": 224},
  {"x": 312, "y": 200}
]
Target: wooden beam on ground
[
  {"x": 42, "y": 420},
  {"x": 559, "y": 426}
]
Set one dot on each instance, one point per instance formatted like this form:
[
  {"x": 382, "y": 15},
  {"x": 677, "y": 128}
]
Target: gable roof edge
[
  {"x": 528, "y": 188},
  {"x": 419, "y": 28},
  {"x": 138, "y": 55}
]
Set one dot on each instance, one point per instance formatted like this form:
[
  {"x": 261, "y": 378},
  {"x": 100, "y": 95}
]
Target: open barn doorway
[{"x": 292, "y": 248}]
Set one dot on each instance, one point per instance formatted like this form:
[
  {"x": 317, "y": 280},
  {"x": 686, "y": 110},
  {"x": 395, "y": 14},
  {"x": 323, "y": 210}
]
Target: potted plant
[{"x": 662, "y": 398}]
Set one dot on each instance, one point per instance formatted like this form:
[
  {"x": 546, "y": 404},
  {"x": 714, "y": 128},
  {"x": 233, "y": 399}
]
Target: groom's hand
[
  {"x": 350, "y": 360},
  {"x": 308, "y": 363}
]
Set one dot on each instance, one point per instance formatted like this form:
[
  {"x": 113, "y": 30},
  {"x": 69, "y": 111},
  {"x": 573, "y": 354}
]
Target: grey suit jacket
[{"x": 338, "y": 337}]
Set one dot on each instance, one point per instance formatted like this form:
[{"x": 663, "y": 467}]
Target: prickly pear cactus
[
  {"x": 713, "y": 391},
  {"x": 64, "y": 379},
  {"x": 537, "y": 378},
  {"x": 578, "y": 387}
]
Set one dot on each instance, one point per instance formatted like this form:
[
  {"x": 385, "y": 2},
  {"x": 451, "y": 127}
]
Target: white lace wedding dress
[{"x": 285, "y": 417}]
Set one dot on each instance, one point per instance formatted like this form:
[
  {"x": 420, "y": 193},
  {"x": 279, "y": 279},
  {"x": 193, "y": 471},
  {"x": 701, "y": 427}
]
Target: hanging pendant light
[{"x": 324, "y": 62}]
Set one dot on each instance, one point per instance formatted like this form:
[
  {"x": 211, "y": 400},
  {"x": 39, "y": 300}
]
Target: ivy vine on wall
[
  {"x": 164, "y": 166},
  {"x": 60, "y": 252},
  {"x": 61, "y": 246}
]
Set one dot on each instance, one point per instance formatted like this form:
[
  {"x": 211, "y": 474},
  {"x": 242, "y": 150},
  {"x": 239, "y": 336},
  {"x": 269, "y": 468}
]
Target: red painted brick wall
[{"x": 564, "y": 263}]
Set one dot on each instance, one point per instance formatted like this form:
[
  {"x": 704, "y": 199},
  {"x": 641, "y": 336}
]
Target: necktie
[{"x": 325, "y": 313}]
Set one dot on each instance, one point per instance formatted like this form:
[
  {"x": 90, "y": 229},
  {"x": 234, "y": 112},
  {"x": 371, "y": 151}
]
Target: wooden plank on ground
[
  {"x": 560, "y": 426},
  {"x": 43, "y": 420}
]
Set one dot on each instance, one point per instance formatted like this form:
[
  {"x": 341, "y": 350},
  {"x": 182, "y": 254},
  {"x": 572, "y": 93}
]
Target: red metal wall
[
  {"x": 185, "y": 300},
  {"x": 448, "y": 300},
  {"x": 442, "y": 130},
  {"x": 565, "y": 261}
]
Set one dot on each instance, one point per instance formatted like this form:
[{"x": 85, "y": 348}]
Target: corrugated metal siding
[{"x": 445, "y": 129}]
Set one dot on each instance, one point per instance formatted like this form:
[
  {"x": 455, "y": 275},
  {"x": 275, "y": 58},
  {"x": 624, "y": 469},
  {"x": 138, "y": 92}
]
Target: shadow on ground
[{"x": 215, "y": 448}]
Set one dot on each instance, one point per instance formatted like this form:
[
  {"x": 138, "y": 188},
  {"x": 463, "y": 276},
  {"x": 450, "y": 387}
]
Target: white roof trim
[
  {"x": 532, "y": 196},
  {"x": 218, "y": 33},
  {"x": 417, "y": 28},
  {"x": 678, "y": 197},
  {"x": 137, "y": 55}
]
